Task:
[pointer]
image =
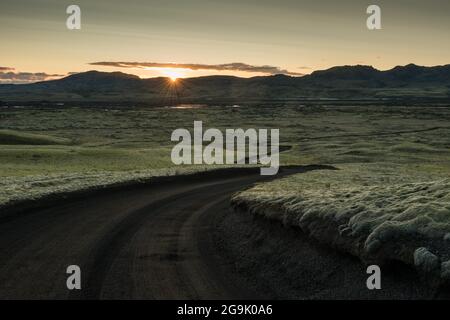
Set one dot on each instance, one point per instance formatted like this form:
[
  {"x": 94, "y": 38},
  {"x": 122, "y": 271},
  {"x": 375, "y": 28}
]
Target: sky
[{"x": 189, "y": 38}]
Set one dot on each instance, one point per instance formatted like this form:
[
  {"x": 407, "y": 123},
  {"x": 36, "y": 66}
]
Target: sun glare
[{"x": 172, "y": 73}]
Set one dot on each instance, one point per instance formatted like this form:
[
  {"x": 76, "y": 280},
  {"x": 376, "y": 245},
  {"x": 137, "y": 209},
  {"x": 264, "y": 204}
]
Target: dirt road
[{"x": 151, "y": 242}]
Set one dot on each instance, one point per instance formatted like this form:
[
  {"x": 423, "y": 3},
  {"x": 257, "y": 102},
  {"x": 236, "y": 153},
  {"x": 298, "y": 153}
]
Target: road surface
[
  {"x": 142, "y": 243},
  {"x": 147, "y": 242}
]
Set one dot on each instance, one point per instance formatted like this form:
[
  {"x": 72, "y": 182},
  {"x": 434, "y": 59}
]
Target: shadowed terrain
[
  {"x": 342, "y": 82},
  {"x": 165, "y": 241}
]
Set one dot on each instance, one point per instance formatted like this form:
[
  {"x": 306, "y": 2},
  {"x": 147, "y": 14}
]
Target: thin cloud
[
  {"x": 6, "y": 69},
  {"x": 235, "y": 66},
  {"x": 26, "y": 77}
]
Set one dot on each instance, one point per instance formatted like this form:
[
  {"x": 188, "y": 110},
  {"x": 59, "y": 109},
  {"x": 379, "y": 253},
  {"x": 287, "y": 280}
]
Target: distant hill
[{"x": 342, "y": 82}]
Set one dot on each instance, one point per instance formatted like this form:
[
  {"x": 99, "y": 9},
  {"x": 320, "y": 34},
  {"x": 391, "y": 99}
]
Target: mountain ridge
[{"x": 339, "y": 82}]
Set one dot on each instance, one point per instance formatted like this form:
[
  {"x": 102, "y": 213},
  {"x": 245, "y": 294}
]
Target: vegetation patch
[
  {"x": 376, "y": 213},
  {"x": 13, "y": 137}
]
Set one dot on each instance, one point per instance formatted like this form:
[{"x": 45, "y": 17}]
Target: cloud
[
  {"x": 6, "y": 69},
  {"x": 25, "y": 77},
  {"x": 235, "y": 66}
]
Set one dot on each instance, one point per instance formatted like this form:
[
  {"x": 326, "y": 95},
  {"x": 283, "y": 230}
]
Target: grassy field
[
  {"x": 389, "y": 197},
  {"x": 82, "y": 142}
]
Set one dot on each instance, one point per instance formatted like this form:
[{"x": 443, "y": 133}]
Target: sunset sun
[{"x": 172, "y": 73}]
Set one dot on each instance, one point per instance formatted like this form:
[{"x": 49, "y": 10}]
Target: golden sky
[{"x": 188, "y": 38}]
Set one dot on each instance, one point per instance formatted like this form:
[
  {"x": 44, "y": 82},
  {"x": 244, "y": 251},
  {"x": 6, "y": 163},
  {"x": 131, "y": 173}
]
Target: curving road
[
  {"x": 149, "y": 242},
  {"x": 159, "y": 241}
]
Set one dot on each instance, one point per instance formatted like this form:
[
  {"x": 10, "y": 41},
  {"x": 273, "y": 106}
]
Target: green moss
[
  {"x": 14, "y": 137},
  {"x": 375, "y": 211}
]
